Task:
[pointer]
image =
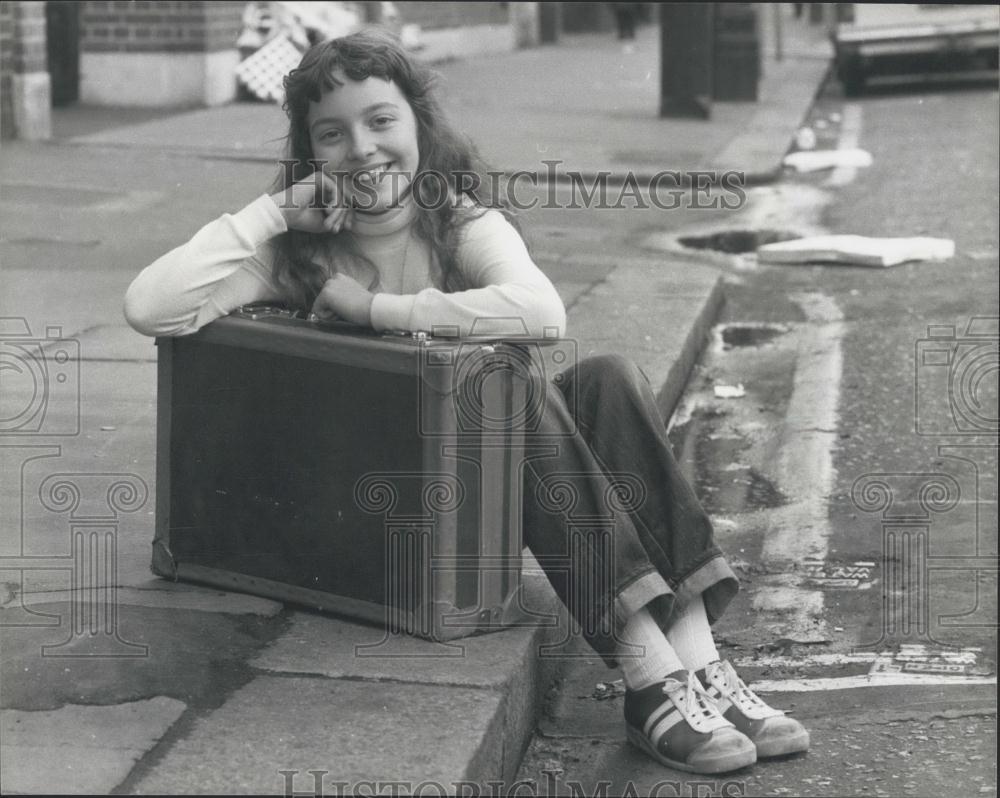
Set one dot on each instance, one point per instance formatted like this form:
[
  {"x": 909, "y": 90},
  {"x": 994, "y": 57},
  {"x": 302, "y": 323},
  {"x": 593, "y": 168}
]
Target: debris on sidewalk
[
  {"x": 605, "y": 690},
  {"x": 831, "y": 574},
  {"x": 919, "y": 658},
  {"x": 784, "y": 645},
  {"x": 805, "y": 138},
  {"x": 856, "y": 250},
  {"x": 817, "y": 160},
  {"x": 275, "y": 35},
  {"x": 730, "y": 391},
  {"x": 263, "y": 72}
]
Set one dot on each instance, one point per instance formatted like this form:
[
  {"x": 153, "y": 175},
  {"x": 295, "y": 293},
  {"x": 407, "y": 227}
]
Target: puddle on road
[
  {"x": 737, "y": 242},
  {"x": 780, "y": 212},
  {"x": 762, "y": 492},
  {"x": 749, "y": 334}
]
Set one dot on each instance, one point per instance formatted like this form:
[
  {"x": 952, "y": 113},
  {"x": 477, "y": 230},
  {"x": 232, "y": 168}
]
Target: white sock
[
  {"x": 691, "y": 636},
  {"x": 644, "y": 654}
]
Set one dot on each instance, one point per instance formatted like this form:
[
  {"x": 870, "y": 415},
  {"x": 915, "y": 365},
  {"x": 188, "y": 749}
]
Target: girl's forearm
[
  {"x": 516, "y": 308},
  {"x": 211, "y": 275}
]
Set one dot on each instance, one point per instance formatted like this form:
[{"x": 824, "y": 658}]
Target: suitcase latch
[{"x": 256, "y": 311}]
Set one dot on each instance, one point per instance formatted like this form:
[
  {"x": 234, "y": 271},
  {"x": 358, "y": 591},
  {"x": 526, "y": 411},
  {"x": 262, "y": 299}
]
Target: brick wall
[
  {"x": 22, "y": 51},
  {"x": 6, "y": 67},
  {"x": 23, "y": 32},
  {"x": 151, "y": 26},
  {"x": 431, "y": 16}
]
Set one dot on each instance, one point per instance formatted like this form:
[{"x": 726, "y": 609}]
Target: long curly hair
[{"x": 376, "y": 53}]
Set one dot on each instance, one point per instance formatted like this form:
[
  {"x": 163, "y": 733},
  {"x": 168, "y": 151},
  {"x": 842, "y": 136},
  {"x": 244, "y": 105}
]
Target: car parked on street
[{"x": 901, "y": 38}]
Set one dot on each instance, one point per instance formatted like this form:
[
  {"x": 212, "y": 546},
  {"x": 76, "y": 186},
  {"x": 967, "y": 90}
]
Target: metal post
[
  {"x": 779, "y": 50},
  {"x": 686, "y": 43}
]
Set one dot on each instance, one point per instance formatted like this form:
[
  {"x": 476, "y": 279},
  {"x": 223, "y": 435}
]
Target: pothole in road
[
  {"x": 713, "y": 462},
  {"x": 737, "y": 242},
  {"x": 749, "y": 334}
]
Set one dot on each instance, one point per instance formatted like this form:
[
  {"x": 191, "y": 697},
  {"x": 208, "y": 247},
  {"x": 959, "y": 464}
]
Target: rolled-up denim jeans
[{"x": 607, "y": 512}]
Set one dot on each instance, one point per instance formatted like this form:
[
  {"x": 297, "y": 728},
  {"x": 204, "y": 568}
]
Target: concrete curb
[{"x": 669, "y": 394}]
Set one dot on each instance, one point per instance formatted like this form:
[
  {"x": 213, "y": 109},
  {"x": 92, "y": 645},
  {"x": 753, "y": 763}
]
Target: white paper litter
[
  {"x": 856, "y": 250},
  {"x": 730, "y": 391},
  {"x": 815, "y": 160}
]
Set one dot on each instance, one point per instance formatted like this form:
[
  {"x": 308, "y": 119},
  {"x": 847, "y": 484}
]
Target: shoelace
[
  {"x": 695, "y": 704},
  {"x": 736, "y": 690}
]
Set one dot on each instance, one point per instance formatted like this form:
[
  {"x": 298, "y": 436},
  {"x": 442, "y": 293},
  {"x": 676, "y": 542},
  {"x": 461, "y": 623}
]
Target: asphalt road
[{"x": 854, "y": 485}]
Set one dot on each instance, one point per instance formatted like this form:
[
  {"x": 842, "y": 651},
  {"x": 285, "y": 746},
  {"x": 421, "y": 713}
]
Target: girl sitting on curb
[{"x": 354, "y": 231}]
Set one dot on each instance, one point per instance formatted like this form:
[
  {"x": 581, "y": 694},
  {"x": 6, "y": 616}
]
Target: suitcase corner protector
[
  {"x": 163, "y": 562},
  {"x": 464, "y": 623},
  {"x": 511, "y": 612}
]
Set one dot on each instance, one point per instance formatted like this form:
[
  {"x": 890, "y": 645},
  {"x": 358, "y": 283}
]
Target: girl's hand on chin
[
  {"x": 345, "y": 298},
  {"x": 313, "y": 205}
]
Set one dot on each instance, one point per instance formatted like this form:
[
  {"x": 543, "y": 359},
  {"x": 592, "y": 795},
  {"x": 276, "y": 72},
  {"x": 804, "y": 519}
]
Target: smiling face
[{"x": 365, "y": 129}]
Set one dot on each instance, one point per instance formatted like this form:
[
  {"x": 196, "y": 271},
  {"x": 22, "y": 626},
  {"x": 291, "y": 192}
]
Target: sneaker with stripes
[
  {"x": 772, "y": 732},
  {"x": 676, "y": 722}
]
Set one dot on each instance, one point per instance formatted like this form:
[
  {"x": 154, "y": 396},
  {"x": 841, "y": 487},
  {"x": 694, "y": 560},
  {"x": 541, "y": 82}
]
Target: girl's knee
[{"x": 612, "y": 369}]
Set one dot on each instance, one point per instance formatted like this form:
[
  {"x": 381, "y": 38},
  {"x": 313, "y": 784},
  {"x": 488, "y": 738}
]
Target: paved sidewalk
[
  {"x": 205, "y": 691},
  {"x": 588, "y": 101}
]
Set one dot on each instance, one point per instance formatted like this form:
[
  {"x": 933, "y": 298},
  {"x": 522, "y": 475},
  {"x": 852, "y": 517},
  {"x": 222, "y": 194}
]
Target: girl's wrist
[
  {"x": 279, "y": 202},
  {"x": 259, "y": 221}
]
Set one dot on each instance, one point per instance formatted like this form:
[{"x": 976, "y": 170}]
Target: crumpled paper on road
[
  {"x": 605, "y": 690},
  {"x": 729, "y": 391},
  {"x": 816, "y": 160},
  {"x": 856, "y": 250}
]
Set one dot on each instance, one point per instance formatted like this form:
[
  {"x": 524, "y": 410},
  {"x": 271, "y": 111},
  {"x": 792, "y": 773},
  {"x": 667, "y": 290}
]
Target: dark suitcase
[{"x": 372, "y": 475}]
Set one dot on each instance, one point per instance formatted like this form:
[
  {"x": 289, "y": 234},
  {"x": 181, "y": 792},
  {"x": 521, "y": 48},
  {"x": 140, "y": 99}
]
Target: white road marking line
[
  {"x": 851, "y": 682},
  {"x": 807, "y": 661},
  {"x": 850, "y": 133},
  {"x": 800, "y": 530},
  {"x": 887, "y": 669}
]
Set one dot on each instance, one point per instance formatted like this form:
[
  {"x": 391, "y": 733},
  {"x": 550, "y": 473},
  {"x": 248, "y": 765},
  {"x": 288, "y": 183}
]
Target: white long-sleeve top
[{"x": 228, "y": 263}]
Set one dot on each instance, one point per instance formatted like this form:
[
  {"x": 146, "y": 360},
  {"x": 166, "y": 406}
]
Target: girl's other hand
[
  {"x": 314, "y": 205},
  {"x": 345, "y": 298}
]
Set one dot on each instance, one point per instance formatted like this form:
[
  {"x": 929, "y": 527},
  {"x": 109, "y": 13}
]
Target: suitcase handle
[{"x": 261, "y": 311}]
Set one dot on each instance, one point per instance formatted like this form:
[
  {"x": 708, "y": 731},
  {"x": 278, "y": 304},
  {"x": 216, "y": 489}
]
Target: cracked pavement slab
[{"x": 80, "y": 750}]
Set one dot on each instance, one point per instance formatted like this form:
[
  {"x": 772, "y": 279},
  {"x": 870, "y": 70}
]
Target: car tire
[{"x": 853, "y": 79}]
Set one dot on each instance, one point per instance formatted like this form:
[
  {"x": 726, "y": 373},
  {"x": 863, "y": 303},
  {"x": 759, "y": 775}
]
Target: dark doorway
[{"x": 62, "y": 31}]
